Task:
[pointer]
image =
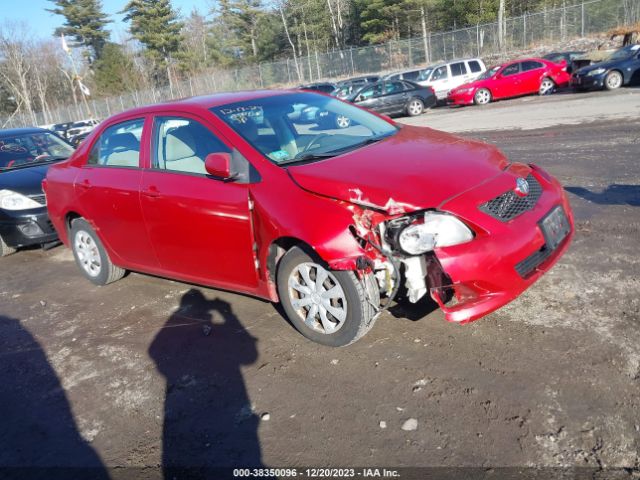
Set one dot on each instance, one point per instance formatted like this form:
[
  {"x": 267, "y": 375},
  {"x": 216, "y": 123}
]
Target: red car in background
[
  {"x": 234, "y": 191},
  {"x": 513, "y": 79}
]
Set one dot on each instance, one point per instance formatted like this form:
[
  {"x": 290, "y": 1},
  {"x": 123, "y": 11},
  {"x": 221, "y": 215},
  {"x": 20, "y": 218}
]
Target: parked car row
[
  {"x": 74, "y": 132},
  {"x": 467, "y": 81}
]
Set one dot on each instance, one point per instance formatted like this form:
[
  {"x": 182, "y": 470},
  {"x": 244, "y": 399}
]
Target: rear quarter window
[{"x": 474, "y": 66}]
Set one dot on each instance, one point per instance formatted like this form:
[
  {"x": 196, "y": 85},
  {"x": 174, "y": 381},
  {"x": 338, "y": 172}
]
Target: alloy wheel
[
  {"x": 614, "y": 80},
  {"x": 317, "y": 298},
  {"x": 415, "y": 107},
  {"x": 546, "y": 87},
  {"x": 482, "y": 97}
]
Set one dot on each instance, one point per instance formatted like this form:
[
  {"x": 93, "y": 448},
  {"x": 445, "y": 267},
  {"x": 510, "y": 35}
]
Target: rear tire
[
  {"x": 613, "y": 80},
  {"x": 5, "y": 249},
  {"x": 547, "y": 86},
  {"x": 415, "y": 107},
  {"x": 335, "y": 312},
  {"x": 482, "y": 97},
  {"x": 90, "y": 255}
]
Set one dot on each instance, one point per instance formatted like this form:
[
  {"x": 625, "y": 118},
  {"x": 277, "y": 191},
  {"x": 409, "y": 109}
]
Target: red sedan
[
  {"x": 236, "y": 191},
  {"x": 522, "y": 77}
]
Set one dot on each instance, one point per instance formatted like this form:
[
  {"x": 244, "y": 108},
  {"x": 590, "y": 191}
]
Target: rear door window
[
  {"x": 118, "y": 145},
  {"x": 411, "y": 75},
  {"x": 531, "y": 65},
  {"x": 458, "y": 69}
]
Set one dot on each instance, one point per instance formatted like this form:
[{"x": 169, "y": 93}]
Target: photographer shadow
[
  {"x": 208, "y": 418},
  {"x": 39, "y": 438}
]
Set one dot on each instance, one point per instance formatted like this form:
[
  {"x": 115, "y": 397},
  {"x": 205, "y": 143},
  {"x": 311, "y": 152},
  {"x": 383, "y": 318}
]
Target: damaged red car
[{"x": 242, "y": 192}]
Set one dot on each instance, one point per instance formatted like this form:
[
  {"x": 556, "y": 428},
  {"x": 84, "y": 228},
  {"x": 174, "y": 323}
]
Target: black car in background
[
  {"x": 323, "y": 87},
  {"x": 621, "y": 68},
  {"x": 25, "y": 157},
  {"x": 395, "y": 97},
  {"x": 61, "y": 129},
  {"x": 573, "y": 60},
  {"x": 347, "y": 87}
]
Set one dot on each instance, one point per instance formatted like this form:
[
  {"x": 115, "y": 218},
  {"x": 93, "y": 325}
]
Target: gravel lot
[{"x": 148, "y": 371}]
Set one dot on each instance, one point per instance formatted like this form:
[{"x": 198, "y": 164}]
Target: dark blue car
[{"x": 621, "y": 68}]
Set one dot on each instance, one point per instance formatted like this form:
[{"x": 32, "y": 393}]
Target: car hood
[
  {"x": 417, "y": 168},
  {"x": 24, "y": 180},
  {"x": 607, "y": 64}
]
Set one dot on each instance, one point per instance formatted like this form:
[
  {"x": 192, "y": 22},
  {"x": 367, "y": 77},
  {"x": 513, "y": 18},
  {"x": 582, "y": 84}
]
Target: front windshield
[
  {"x": 31, "y": 149},
  {"x": 489, "y": 73},
  {"x": 625, "y": 52},
  {"x": 302, "y": 127}
]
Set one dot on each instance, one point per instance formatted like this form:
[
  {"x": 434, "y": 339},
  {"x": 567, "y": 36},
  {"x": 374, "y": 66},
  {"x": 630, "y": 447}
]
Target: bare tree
[{"x": 15, "y": 69}]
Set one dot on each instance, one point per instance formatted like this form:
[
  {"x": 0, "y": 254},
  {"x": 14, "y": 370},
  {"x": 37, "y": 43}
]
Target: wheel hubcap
[
  {"x": 546, "y": 87},
  {"x": 482, "y": 96},
  {"x": 343, "y": 122},
  {"x": 88, "y": 253},
  {"x": 614, "y": 81},
  {"x": 317, "y": 298},
  {"x": 415, "y": 108}
]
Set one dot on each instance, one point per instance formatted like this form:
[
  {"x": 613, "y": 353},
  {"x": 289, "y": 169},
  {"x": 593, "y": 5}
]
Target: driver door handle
[{"x": 152, "y": 192}]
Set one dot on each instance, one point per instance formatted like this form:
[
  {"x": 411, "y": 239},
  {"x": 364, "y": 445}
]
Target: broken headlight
[{"x": 436, "y": 230}]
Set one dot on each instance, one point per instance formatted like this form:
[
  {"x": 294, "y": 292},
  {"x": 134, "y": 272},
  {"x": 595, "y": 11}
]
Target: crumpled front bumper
[{"x": 483, "y": 272}]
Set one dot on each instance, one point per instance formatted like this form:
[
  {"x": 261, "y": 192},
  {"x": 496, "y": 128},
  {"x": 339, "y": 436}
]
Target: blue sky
[{"x": 43, "y": 23}]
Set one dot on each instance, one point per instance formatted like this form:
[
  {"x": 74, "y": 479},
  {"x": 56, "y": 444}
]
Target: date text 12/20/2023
[{"x": 315, "y": 473}]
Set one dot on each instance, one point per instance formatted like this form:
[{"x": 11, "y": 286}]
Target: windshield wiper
[{"x": 306, "y": 156}]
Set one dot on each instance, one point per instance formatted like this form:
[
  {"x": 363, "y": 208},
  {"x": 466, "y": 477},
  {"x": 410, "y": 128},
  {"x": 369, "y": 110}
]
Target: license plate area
[{"x": 555, "y": 227}]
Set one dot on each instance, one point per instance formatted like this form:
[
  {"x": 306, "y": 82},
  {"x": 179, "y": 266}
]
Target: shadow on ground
[
  {"x": 208, "y": 419},
  {"x": 615, "y": 194},
  {"x": 38, "y": 434}
]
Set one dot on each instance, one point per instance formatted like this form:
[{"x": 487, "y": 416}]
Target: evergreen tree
[
  {"x": 85, "y": 23},
  {"x": 114, "y": 71},
  {"x": 155, "y": 24}
]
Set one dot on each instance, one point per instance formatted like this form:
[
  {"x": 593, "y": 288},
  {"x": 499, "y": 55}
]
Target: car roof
[
  {"x": 21, "y": 131},
  {"x": 204, "y": 102},
  {"x": 467, "y": 59}
]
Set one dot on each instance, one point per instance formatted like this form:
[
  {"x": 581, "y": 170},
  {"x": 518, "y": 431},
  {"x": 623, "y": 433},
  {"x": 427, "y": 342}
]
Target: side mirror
[{"x": 218, "y": 165}]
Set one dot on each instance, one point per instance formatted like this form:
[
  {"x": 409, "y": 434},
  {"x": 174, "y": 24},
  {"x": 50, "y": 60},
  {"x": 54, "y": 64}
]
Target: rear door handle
[{"x": 152, "y": 192}]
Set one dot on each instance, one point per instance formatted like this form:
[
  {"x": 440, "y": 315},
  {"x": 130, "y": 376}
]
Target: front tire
[
  {"x": 613, "y": 80},
  {"x": 329, "y": 307},
  {"x": 482, "y": 97},
  {"x": 91, "y": 256},
  {"x": 415, "y": 107},
  {"x": 5, "y": 249}
]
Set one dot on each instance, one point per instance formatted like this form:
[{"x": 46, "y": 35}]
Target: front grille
[
  {"x": 509, "y": 205},
  {"x": 41, "y": 199}
]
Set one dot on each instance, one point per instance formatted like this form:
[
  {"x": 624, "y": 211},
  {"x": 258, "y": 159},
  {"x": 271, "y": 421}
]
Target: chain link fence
[{"x": 519, "y": 33}]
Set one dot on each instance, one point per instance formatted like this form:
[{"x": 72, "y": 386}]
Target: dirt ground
[{"x": 148, "y": 372}]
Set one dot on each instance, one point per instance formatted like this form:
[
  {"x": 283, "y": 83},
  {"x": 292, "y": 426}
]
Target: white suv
[{"x": 449, "y": 75}]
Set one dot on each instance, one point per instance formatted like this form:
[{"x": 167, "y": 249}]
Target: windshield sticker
[{"x": 278, "y": 155}]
